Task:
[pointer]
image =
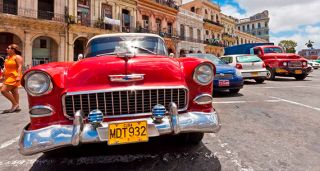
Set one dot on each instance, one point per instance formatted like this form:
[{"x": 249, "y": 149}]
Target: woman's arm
[{"x": 19, "y": 62}]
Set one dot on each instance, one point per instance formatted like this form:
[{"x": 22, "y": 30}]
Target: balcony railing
[
  {"x": 190, "y": 39},
  {"x": 214, "y": 43},
  {"x": 168, "y": 3},
  {"x": 213, "y": 22},
  {"x": 47, "y": 15}
]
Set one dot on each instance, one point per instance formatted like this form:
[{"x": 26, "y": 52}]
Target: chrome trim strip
[
  {"x": 74, "y": 111},
  {"x": 126, "y": 78},
  {"x": 203, "y": 103},
  {"x": 105, "y": 104},
  {"x": 131, "y": 88},
  {"x": 41, "y": 115}
]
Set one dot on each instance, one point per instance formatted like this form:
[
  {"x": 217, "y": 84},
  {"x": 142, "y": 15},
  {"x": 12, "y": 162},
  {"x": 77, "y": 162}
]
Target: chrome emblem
[{"x": 126, "y": 78}]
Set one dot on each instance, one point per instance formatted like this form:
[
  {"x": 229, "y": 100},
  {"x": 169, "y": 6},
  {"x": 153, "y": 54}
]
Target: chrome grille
[
  {"x": 295, "y": 64},
  {"x": 224, "y": 76},
  {"x": 124, "y": 102}
]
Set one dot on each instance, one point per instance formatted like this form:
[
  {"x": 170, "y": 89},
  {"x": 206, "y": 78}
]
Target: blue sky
[{"x": 297, "y": 20}]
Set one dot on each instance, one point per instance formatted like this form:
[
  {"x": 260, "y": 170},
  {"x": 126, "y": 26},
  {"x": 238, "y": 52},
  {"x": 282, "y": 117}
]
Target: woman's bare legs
[
  {"x": 15, "y": 94},
  {"x": 5, "y": 91}
]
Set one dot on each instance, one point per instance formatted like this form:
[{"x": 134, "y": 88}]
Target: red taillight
[
  {"x": 239, "y": 66},
  {"x": 263, "y": 65}
]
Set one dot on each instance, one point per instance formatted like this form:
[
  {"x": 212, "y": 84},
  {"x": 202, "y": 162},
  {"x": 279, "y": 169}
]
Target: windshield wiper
[
  {"x": 110, "y": 53},
  {"x": 147, "y": 50}
]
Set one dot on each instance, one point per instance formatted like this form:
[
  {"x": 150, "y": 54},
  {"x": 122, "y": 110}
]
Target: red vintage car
[{"x": 126, "y": 90}]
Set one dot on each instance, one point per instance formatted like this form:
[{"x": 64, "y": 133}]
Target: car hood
[
  {"x": 94, "y": 73},
  {"x": 225, "y": 68},
  {"x": 283, "y": 55}
]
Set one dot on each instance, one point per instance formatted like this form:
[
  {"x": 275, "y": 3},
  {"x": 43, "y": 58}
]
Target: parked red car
[
  {"x": 278, "y": 63},
  {"x": 125, "y": 90}
]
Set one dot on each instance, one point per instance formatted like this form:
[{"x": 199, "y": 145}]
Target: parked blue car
[{"x": 227, "y": 77}]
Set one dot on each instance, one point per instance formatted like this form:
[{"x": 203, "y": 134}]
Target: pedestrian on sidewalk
[{"x": 12, "y": 77}]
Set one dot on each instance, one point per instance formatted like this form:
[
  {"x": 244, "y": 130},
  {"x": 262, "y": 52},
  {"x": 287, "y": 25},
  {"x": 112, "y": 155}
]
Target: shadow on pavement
[
  {"x": 162, "y": 153},
  {"x": 225, "y": 94}
]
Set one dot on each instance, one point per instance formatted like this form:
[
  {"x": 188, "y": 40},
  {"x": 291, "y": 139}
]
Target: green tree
[{"x": 288, "y": 45}]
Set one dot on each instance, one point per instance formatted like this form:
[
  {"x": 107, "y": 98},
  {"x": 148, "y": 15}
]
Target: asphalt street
[{"x": 269, "y": 126}]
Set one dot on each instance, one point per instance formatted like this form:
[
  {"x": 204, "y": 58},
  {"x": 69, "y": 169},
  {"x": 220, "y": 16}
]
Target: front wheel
[
  {"x": 234, "y": 91},
  {"x": 270, "y": 74},
  {"x": 300, "y": 77},
  {"x": 259, "y": 80}
]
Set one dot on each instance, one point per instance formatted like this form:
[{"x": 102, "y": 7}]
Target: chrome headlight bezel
[
  {"x": 205, "y": 67},
  {"x": 45, "y": 90}
]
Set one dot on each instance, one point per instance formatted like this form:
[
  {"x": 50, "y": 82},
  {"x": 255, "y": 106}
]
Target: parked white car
[
  {"x": 250, "y": 66},
  {"x": 315, "y": 65}
]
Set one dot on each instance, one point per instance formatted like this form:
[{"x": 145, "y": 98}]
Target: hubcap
[{"x": 268, "y": 74}]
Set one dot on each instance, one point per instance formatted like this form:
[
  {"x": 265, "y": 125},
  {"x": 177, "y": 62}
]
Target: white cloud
[{"x": 285, "y": 16}]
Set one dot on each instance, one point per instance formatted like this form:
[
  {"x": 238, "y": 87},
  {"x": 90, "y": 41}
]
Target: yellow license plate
[
  {"x": 127, "y": 132},
  {"x": 255, "y": 74},
  {"x": 298, "y": 71}
]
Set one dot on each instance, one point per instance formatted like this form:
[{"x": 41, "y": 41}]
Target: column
[
  {"x": 62, "y": 54},
  {"x": 27, "y": 49}
]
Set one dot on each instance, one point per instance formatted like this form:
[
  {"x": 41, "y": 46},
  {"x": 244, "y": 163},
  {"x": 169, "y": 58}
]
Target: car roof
[
  {"x": 238, "y": 55},
  {"x": 125, "y": 34}
]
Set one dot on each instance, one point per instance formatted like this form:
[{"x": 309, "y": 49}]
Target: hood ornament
[{"x": 126, "y": 78}]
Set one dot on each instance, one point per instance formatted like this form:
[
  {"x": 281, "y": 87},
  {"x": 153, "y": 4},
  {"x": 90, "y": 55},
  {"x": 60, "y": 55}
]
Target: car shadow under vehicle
[
  {"x": 161, "y": 153},
  {"x": 225, "y": 94}
]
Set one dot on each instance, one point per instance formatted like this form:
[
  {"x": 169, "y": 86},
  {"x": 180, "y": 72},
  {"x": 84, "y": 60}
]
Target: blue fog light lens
[
  {"x": 95, "y": 117},
  {"x": 158, "y": 111}
]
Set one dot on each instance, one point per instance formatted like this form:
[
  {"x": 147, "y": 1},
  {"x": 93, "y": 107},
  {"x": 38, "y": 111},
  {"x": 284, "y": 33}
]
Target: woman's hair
[{"x": 16, "y": 49}]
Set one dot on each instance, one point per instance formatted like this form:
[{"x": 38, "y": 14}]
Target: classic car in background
[
  {"x": 125, "y": 90},
  {"x": 250, "y": 66},
  {"x": 227, "y": 77},
  {"x": 278, "y": 63}
]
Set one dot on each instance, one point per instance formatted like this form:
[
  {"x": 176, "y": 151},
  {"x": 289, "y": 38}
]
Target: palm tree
[{"x": 309, "y": 44}]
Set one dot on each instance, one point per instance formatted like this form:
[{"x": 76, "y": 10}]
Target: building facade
[
  {"x": 257, "y": 25},
  {"x": 243, "y": 38},
  {"x": 229, "y": 37},
  {"x": 159, "y": 17},
  {"x": 310, "y": 53},
  {"x": 190, "y": 31},
  {"x": 39, "y": 28},
  {"x": 87, "y": 18},
  {"x": 212, "y": 25}
]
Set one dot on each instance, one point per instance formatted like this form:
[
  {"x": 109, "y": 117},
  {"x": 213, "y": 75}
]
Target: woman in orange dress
[{"x": 12, "y": 77}]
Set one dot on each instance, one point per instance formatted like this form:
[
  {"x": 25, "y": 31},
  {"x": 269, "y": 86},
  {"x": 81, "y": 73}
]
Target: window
[
  {"x": 243, "y": 28},
  {"x": 253, "y": 26},
  {"x": 267, "y": 32},
  {"x": 43, "y": 43},
  {"x": 248, "y": 27},
  {"x": 259, "y": 25},
  {"x": 10, "y": 7},
  {"x": 217, "y": 19},
  {"x": 199, "y": 34},
  {"x": 193, "y": 9},
  {"x": 158, "y": 23},
  {"x": 169, "y": 28},
  {"x": 227, "y": 59},
  {"x": 145, "y": 20},
  {"x": 266, "y": 24},
  {"x": 182, "y": 32},
  {"x": 259, "y": 33},
  {"x": 239, "y": 28},
  {"x": 125, "y": 21},
  {"x": 45, "y": 9},
  {"x": 191, "y": 32}
]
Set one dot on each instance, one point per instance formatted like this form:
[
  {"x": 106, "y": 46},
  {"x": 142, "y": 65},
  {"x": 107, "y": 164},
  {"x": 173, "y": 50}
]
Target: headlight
[
  {"x": 38, "y": 83},
  {"x": 285, "y": 63},
  {"x": 238, "y": 73},
  {"x": 203, "y": 74}
]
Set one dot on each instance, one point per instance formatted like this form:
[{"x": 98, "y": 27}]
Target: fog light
[
  {"x": 40, "y": 111},
  {"x": 95, "y": 117},
  {"x": 158, "y": 112},
  {"x": 203, "y": 99}
]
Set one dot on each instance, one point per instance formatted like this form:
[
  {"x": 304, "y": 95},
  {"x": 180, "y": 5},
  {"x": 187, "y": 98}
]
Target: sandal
[{"x": 14, "y": 109}]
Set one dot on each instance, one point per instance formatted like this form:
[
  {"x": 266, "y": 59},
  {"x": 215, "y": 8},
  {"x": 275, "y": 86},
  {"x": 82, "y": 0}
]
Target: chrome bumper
[{"x": 56, "y": 136}]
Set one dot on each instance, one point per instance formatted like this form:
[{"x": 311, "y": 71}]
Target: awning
[{"x": 111, "y": 21}]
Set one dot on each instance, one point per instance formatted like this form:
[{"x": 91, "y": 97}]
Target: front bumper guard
[{"x": 57, "y": 136}]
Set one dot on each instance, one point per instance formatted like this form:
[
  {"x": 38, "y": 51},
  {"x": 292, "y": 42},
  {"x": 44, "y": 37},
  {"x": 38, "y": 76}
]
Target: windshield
[
  {"x": 210, "y": 57},
  {"x": 272, "y": 50},
  {"x": 248, "y": 59},
  {"x": 125, "y": 44}
]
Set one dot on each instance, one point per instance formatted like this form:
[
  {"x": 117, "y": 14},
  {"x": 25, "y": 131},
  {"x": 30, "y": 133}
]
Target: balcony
[
  {"x": 168, "y": 3},
  {"x": 190, "y": 39},
  {"x": 213, "y": 22},
  {"x": 31, "y": 13},
  {"x": 214, "y": 42}
]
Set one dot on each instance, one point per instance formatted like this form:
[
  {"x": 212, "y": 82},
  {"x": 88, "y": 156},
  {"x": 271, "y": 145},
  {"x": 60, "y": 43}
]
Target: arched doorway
[
  {"x": 44, "y": 50},
  {"x": 78, "y": 47},
  {"x": 6, "y": 39}
]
